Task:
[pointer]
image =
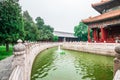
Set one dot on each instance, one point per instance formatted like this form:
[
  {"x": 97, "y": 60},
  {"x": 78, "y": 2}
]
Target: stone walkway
[{"x": 5, "y": 68}]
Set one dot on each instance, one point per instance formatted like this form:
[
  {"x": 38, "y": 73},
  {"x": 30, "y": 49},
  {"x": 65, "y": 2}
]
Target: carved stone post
[
  {"x": 19, "y": 57},
  {"x": 117, "y": 59}
]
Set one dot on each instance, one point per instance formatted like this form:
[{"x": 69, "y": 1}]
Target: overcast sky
[{"x": 63, "y": 15}]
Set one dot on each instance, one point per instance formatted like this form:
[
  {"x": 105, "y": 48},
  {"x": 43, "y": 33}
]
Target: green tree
[
  {"x": 46, "y": 31},
  {"x": 31, "y": 30},
  {"x": 55, "y": 38},
  {"x": 40, "y": 22},
  {"x": 81, "y": 31},
  {"x": 11, "y": 22}
]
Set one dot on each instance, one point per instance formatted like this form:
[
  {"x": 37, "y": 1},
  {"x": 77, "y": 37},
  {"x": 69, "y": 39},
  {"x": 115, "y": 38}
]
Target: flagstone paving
[{"x": 5, "y": 68}]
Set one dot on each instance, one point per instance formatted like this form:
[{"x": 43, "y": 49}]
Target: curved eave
[
  {"x": 100, "y": 7},
  {"x": 102, "y": 17},
  {"x": 100, "y": 3}
]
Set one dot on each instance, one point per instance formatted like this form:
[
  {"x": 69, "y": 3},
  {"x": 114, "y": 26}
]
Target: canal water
[{"x": 71, "y": 65}]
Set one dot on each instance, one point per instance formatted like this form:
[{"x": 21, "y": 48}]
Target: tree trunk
[{"x": 7, "y": 47}]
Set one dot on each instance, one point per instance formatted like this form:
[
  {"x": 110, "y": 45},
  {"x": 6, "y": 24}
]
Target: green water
[{"x": 72, "y": 65}]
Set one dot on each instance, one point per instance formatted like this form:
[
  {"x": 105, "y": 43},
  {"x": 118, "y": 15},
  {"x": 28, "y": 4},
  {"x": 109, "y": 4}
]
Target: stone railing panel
[
  {"x": 18, "y": 64},
  {"x": 24, "y": 55},
  {"x": 117, "y": 64}
]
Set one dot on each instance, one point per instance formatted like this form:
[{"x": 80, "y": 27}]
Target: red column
[
  {"x": 89, "y": 40},
  {"x": 103, "y": 35},
  {"x": 95, "y": 34}
]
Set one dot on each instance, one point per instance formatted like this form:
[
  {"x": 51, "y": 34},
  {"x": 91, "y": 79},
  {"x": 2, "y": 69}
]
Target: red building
[{"x": 106, "y": 26}]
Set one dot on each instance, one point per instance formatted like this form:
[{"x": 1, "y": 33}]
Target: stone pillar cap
[
  {"x": 117, "y": 49},
  {"x": 19, "y": 41},
  {"x": 19, "y": 47}
]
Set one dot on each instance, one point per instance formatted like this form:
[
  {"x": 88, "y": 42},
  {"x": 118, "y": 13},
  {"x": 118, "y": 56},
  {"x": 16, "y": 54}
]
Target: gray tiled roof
[{"x": 63, "y": 34}]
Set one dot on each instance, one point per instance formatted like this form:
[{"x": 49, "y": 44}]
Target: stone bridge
[{"x": 25, "y": 53}]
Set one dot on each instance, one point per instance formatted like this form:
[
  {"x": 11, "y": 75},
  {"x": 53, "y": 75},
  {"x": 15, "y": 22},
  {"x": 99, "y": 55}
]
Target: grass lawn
[{"x": 3, "y": 53}]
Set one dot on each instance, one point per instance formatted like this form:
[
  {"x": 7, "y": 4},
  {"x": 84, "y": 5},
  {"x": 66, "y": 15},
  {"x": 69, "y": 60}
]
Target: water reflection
[
  {"x": 94, "y": 67},
  {"x": 43, "y": 63},
  {"x": 51, "y": 65}
]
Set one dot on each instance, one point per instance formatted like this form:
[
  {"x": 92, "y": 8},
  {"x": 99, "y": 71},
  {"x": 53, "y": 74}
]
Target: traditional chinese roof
[
  {"x": 105, "y": 5},
  {"x": 63, "y": 34},
  {"x": 105, "y": 16},
  {"x": 101, "y": 3}
]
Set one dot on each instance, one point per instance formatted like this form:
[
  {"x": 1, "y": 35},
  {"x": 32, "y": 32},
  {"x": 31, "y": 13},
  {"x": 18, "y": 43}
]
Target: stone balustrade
[
  {"x": 117, "y": 63},
  {"x": 24, "y": 55},
  {"x": 17, "y": 74}
]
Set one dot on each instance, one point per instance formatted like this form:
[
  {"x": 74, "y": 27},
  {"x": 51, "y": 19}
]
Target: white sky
[{"x": 62, "y": 15}]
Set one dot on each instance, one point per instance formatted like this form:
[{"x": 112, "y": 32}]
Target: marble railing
[
  {"x": 24, "y": 55},
  {"x": 17, "y": 74},
  {"x": 117, "y": 63}
]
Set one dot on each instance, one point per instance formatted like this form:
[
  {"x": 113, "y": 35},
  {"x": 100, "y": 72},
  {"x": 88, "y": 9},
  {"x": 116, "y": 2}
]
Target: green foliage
[
  {"x": 31, "y": 31},
  {"x": 36, "y": 31},
  {"x": 11, "y": 22},
  {"x": 3, "y": 53},
  {"x": 46, "y": 31},
  {"x": 81, "y": 31},
  {"x": 55, "y": 38},
  {"x": 40, "y": 22}
]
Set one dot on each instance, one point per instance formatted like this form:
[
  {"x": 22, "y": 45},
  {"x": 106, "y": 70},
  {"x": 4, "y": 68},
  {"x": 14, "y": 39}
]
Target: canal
[{"x": 71, "y": 65}]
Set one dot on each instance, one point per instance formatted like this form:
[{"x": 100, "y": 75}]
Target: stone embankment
[
  {"x": 96, "y": 48},
  {"x": 108, "y": 49}
]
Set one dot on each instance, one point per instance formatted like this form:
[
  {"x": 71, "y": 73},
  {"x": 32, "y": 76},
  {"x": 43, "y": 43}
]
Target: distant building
[
  {"x": 65, "y": 36},
  {"x": 106, "y": 26}
]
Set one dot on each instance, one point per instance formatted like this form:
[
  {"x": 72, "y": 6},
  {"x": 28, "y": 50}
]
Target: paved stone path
[{"x": 5, "y": 68}]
